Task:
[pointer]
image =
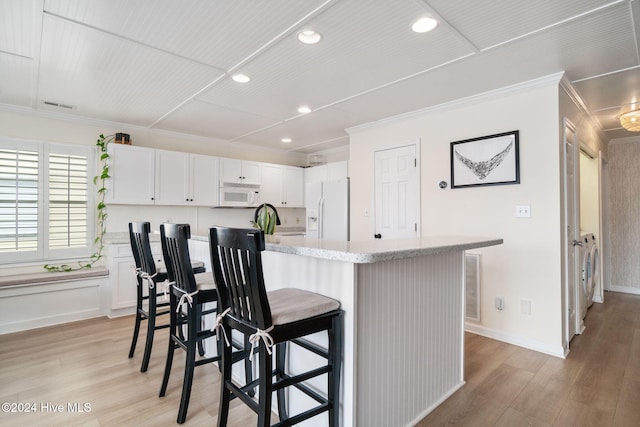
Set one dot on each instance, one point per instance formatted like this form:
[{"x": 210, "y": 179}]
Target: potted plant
[{"x": 266, "y": 220}]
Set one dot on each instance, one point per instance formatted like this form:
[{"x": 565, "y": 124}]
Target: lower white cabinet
[{"x": 122, "y": 274}]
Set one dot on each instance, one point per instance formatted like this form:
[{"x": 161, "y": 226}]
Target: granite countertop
[
  {"x": 360, "y": 252},
  {"x": 369, "y": 251},
  {"x": 120, "y": 238}
]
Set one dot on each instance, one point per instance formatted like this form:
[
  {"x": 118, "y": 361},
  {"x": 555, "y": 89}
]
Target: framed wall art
[{"x": 487, "y": 160}]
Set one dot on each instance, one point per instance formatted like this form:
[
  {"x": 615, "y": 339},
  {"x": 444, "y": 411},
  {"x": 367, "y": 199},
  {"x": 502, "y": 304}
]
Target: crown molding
[
  {"x": 70, "y": 118},
  {"x": 457, "y": 103},
  {"x": 626, "y": 140}
]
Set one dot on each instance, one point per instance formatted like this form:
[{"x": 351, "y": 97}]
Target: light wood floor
[{"x": 86, "y": 362}]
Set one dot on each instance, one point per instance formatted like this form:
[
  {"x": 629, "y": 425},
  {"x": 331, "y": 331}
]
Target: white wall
[
  {"x": 528, "y": 265},
  {"x": 66, "y": 129},
  {"x": 44, "y": 126},
  {"x": 589, "y": 196}
]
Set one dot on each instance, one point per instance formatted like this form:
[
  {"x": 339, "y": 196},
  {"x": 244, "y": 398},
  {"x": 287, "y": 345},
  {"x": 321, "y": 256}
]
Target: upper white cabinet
[
  {"x": 236, "y": 171},
  {"x": 171, "y": 178},
  {"x": 293, "y": 187},
  {"x": 186, "y": 179},
  {"x": 204, "y": 175},
  {"x": 282, "y": 185},
  {"x": 132, "y": 171},
  {"x": 328, "y": 172},
  {"x": 145, "y": 176}
]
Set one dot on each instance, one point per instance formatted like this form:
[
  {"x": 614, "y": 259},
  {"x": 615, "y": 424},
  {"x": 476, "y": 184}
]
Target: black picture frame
[{"x": 487, "y": 160}]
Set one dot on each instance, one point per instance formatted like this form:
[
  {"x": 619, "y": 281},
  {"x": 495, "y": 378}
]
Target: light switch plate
[{"x": 523, "y": 211}]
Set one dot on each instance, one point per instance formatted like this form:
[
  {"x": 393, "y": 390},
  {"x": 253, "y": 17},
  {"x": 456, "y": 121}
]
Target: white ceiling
[{"x": 166, "y": 64}]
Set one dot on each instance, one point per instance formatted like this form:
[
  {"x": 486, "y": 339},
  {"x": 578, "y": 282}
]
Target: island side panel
[
  {"x": 410, "y": 337},
  {"x": 335, "y": 279}
]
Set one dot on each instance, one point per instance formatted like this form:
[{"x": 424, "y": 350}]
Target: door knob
[{"x": 378, "y": 236}]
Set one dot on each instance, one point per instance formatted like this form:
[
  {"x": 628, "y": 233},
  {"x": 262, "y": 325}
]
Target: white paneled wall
[{"x": 406, "y": 334}]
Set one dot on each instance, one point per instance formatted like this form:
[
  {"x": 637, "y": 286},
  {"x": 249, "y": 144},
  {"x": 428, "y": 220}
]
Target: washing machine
[{"x": 590, "y": 275}]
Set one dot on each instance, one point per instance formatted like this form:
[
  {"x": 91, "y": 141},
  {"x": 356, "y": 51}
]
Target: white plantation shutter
[
  {"x": 68, "y": 197},
  {"x": 46, "y": 196},
  {"x": 19, "y": 182}
]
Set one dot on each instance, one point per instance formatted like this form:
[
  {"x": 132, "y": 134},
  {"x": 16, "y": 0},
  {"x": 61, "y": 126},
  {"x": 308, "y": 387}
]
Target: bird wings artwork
[{"x": 482, "y": 169}]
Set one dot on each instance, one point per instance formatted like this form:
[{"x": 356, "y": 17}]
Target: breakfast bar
[{"x": 404, "y": 320}]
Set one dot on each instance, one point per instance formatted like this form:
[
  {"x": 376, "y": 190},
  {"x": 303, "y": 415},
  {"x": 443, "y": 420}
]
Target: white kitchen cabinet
[
  {"x": 204, "y": 180},
  {"x": 146, "y": 176},
  {"x": 132, "y": 172},
  {"x": 186, "y": 179},
  {"x": 236, "y": 171},
  {"x": 271, "y": 189},
  {"x": 293, "y": 187},
  {"x": 337, "y": 170},
  {"x": 171, "y": 178},
  {"x": 329, "y": 172},
  {"x": 122, "y": 274},
  {"x": 282, "y": 186}
]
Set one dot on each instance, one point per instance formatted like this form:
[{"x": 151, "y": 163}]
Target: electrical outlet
[{"x": 499, "y": 303}]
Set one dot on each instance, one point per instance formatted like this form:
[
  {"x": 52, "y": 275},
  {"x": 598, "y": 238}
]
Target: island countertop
[{"x": 370, "y": 251}]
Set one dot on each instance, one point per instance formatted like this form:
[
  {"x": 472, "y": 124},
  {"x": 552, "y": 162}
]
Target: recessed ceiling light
[
  {"x": 424, "y": 24},
  {"x": 303, "y": 109},
  {"x": 286, "y": 140},
  {"x": 241, "y": 78},
  {"x": 309, "y": 37}
]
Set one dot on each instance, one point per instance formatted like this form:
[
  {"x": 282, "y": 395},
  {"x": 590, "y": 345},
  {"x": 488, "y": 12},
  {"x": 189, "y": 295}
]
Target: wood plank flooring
[
  {"x": 597, "y": 385},
  {"x": 86, "y": 362}
]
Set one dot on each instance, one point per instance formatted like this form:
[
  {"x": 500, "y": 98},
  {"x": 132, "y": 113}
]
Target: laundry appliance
[{"x": 590, "y": 272}]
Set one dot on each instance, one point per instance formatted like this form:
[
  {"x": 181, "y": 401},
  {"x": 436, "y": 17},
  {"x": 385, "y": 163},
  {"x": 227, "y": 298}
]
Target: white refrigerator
[{"x": 327, "y": 204}]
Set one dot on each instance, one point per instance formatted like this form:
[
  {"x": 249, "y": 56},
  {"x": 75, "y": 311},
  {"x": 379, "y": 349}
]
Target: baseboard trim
[
  {"x": 624, "y": 290},
  {"x": 557, "y": 351},
  {"x": 41, "y": 322}
]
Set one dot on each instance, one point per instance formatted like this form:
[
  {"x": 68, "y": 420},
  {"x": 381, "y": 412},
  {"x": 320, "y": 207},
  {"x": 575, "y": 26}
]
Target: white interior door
[
  {"x": 396, "y": 193},
  {"x": 572, "y": 320}
]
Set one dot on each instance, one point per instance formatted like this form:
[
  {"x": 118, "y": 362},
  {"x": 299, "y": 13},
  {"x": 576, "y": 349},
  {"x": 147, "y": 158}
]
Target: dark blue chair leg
[
  {"x": 265, "y": 388},
  {"x": 190, "y": 362},
  {"x": 335, "y": 359},
  {"x": 173, "y": 330},
  {"x": 151, "y": 327},
  {"x": 136, "y": 327},
  {"x": 225, "y": 393},
  {"x": 281, "y": 356}
]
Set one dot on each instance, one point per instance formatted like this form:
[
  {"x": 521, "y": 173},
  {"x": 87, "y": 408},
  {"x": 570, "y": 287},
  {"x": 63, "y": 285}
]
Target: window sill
[{"x": 46, "y": 277}]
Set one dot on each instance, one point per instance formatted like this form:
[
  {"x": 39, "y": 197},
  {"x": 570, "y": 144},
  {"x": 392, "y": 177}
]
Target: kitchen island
[{"x": 404, "y": 318}]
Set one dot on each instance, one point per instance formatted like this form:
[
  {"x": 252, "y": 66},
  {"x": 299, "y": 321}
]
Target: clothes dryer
[
  {"x": 589, "y": 273},
  {"x": 592, "y": 269}
]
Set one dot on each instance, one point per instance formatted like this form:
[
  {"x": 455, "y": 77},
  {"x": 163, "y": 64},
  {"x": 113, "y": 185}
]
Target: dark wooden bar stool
[
  {"x": 189, "y": 293},
  {"x": 272, "y": 319},
  {"x": 148, "y": 275}
]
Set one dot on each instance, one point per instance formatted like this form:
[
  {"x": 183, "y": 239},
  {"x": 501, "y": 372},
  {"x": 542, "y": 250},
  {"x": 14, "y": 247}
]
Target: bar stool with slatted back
[
  {"x": 274, "y": 318},
  {"x": 151, "y": 275},
  {"x": 189, "y": 293}
]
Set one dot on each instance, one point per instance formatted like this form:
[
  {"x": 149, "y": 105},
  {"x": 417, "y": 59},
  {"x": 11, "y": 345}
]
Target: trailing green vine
[{"x": 101, "y": 207}]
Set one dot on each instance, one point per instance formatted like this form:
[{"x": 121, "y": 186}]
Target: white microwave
[{"x": 239, "y": 196}]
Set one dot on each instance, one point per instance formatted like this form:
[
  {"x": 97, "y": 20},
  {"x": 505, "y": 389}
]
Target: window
[{"x": 45, "y": 201}]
